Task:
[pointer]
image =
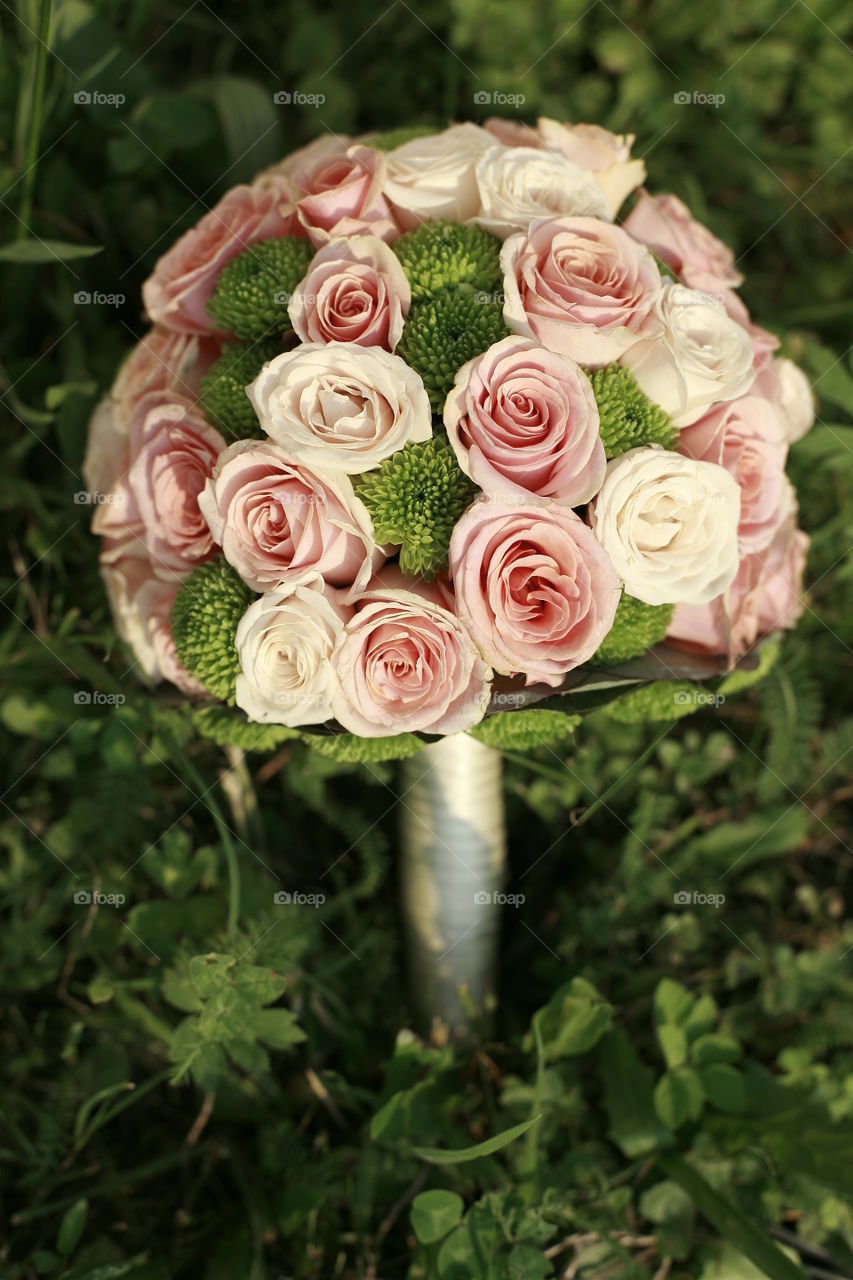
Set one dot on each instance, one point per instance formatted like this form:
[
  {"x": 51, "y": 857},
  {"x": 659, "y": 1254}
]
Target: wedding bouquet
[{"x": 418, "y": 419}]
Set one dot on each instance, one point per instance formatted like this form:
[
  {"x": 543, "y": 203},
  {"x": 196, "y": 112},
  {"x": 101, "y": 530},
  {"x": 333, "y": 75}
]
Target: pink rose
[
  {"x": 696, "y": 255},
  {"x": 142, "y": 605},
  {"x": 762, "y": 341},
  {"x": 765, "y": 596},
  {"x": 342, "y": 196},
  {"x": 307, "y": 157},
  {"x": 174, "y": 452},
  {"x": 404, "y": 663},
  {"x": 523, "y": 420},
  {"x": 355, "y": 291},
  {"x": 581, "y": 287},
  {"x": 162, "y": 361},
  {"x": 278, "y": 522},
  {"x": 176, "y": 294},
  {"x": 105, "y": 469},
  {"x": 746, "y": 437},
  {"x": 533, "y": 586},
  {"x": 511, "y": 133}
]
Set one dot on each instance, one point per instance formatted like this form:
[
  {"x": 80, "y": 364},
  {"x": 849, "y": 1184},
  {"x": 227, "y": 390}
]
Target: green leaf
[
  {"x": 249, "y": 119},
  {"x": 673, "y": 1042},
  {"x": 573, "y": 1020},
  {"x": 724, "y": 1086},
  {"x": 672, "y": 1002},
  {"x": 37, "y": 251},
  {"x": 528, "y": 1263},
  {"x": 628, "y": 1098},
  {"x": 702, "y": 1017},
  {"x": 437, "y": 1155},
  {"x": 277, "y": 1028},
  {"x": 671, "y": 1210},
  {"x": 732, "y": 1225},
  {"x": 714, "y": 1048},
  {"x": 435, "y": 1213},
  {"x": 71, "y": 1227},
  {"x": 679, "y": 1097}
]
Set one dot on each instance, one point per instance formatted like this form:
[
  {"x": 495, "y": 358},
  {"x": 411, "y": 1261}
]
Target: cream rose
[
  {"x": 279, "y": 522},
  {"x": 340, "y": 407},
  {"x": 606, "y": 154},
  {"x": 285, "y": 641},
  {"x": 406, "y": 664},
  {"x": 434, "y": 176},
  {"x": 785, "y": 385},
  {"x": 669, "y": 525},
  {"x": 519, "y": 184},
  {"x": 581, "y": 287},
  {"x": 355, "y": 291},
  {"x": 702, "y": 355}
]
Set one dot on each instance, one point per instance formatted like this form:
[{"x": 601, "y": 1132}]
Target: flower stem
[{"x": 35, "y": 121}]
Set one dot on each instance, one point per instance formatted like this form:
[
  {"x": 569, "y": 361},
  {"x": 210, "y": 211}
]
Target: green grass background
[{"x": 156, "y": 1121}]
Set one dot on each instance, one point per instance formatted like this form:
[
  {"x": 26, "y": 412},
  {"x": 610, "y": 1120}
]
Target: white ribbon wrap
[{"x": 453, "y": 863}]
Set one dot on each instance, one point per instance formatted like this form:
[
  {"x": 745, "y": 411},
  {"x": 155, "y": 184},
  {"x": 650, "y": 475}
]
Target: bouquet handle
[{"x": 453, "y": 865}]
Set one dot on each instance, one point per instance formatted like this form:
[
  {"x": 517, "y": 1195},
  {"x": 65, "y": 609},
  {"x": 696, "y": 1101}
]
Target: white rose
[
  {"x": 518, "y": 184},
  {"x": 669, "y": 525},
  {"x": 701, "y": 357},
  {"x": 284, "y": 641},
  {"x": 607, "y": 154},
  {"x": 433, "y": 177},
  {"x": 337, "y": 406}
]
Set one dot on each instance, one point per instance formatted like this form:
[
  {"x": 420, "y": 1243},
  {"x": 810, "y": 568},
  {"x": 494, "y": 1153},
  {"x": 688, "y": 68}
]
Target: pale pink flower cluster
[{"x": 539, "y": 560}]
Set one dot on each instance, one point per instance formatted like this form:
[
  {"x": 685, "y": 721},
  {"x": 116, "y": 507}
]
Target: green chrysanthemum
[
  {"x": 230, "y": 729},
  {"x": 525, "y": 729},
  {"x": 442, "y": 255},
  {"x": 660, "y": 700},
  {"x": 253, "y": 290},
  {"x": 415, "y": 498},
  {"x": 205, "y": 615},
  {"x": 223, "y": 389},
  {"x": 397, "y": 137},
  {"x": 628, "y": 417},
  {"x": 635, "y": 629},
  {"x": 440, "y": 335}
]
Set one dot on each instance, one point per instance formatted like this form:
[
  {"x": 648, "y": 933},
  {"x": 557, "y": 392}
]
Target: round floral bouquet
[{"x": 419, "y": 421}]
